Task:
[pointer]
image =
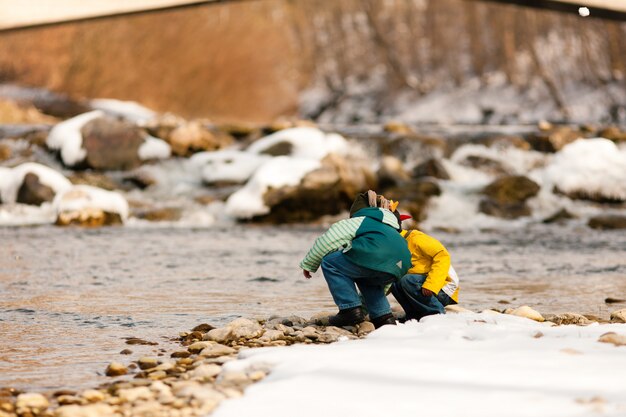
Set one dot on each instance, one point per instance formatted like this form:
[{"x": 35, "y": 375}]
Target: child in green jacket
[{"x": 364, "y": 251}]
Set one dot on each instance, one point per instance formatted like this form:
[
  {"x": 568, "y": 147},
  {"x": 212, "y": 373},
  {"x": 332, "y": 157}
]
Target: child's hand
[
  {"x": 427, "y": 292},
  {"x": 306, "y": 274}
]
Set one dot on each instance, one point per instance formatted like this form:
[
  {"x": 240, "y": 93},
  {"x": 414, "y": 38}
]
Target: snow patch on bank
[
  {"x": 85, "y": 197},
  {"x": 473, "y": 365},
  {"x": 67, "y": 137},
  {"x": 154, "y": 148},
  {"x": 11, "y": 180},
  {"x": 129, "y": 110}
]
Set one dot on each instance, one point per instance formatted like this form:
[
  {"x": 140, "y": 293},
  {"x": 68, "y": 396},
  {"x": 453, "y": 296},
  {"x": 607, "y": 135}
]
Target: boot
[
  {"x": 384, "y": 320},
  {"x": 347, "y": 317}
]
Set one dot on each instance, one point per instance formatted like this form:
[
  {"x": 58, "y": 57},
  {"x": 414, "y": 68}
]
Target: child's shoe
[{"x": 347, "y": 317}]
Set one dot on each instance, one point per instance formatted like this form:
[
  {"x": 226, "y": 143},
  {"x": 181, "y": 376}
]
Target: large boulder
[
  {"x": 506, "y": 197},
  {"x": 327, "y": 190},
  {"x": 33, "y": 192},
  {"x": 111, "y": 144}
]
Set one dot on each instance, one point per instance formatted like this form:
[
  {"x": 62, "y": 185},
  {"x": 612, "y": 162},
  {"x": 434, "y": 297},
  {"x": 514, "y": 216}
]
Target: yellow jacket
[{"x": 429, "y": 257}]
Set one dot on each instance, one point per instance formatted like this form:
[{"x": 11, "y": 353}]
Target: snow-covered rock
[
  {"x": 227, "y": 166},
  {"x": 129, "y": 110},
  {"x": 12, "y": 179},
  {"x": 90, "y": 206},
  {"x": 154, "y": 148},
  {"x": 68, "y": 139}
]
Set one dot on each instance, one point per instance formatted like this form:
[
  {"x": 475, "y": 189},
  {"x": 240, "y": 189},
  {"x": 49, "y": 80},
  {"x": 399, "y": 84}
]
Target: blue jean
[
  {"x": 343, "y": 276},
  {"x": 408, "y": 291}
]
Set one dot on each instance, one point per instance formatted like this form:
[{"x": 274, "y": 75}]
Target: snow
[
  {"x": 228, "y": 165},
  {"x": 583, "y": 11},
  {"x": 154, "y": 148},
  {"x": 280, "y": 171},
  {"x": 66, "y": 137},
  {"x": 11, "y": 179},
  {"x": 466, "y": 364},
  {"x": 593, "y": 166},
  {"x": 129, "y": 110},
  {"x": 81, "y": 197},
  {"x": 307, "y": 142}
]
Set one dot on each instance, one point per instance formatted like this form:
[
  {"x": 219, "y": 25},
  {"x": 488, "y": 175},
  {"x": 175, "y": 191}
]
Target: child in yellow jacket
[{"x": 431, "y": 283}]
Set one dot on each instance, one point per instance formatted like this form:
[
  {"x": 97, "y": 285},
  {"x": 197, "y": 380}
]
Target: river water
[{"x": 70, "y": 297}]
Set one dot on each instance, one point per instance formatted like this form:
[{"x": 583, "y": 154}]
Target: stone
[
  {"x": 32, "y": 403},
  {"x": 203, "y": 328},
  {"x": 614, "y": 338},
  {"x": 33, "y": 192},
  {"x": 91, "y": 410},
  {"x": 618, "y": 316},
  {"x": 116, "y": 369},
  {"x": 559, "y": 217},
  {"x": 93, "y": 396},
  {"x": 485, "y": 164},
  {"x": 221, "y": 335},
  {"x": 237, "y": 378},
  {"x": 511, "y": 189},
  {"x": 69, "y": 399},
  {"x": 147, "y": 362},
  {"x": 272, "y": 335},
  {"x": 431, "y": 168},
  {"x": 398, "y": 127},
  {"x": 613, "y": 133},
  {"x": 206, "y": 371},
  {"x": 311, "y": 333},
  {"x": 256, "y": 376},
  {"x": 88, "y": 217},
  {"x": 131, "y": 395},
  {"x": 554, "y": 138},
  {"x": 193, "y": 136},
  {"x": 111, "y": 144},
  {"x": 527, "y": 312},
  {"x": 364, "y": 328},
  {"x": 611, "y": 300},
  {"x": 245, "y": 329},
  {"x": 570, "y": 318},
  {"x": 455, "y": 308},
  {"x": 608, "y": 222},
  {"x": 162, "y": 214},
  {"x": 5, "y": 152},
  {"x": 180, "y": 354},
  {"x": 197, "y": 347},
  {"x": 217, "y": 350},
  {"x": 126, "y": 352},
  {"x": 94, "y": 179}
]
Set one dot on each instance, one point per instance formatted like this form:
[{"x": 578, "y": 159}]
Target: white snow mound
[{"x": 67, "y": 137}]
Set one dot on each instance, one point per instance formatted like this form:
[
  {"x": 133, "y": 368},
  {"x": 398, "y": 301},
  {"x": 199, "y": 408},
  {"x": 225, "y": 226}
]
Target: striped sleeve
[{"x": 338, "y": 236}]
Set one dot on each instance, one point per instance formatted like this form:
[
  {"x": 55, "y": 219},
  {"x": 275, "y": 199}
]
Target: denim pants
[
  {"x": 408, "y": 291},
  {"x": 343, "y": 276}
]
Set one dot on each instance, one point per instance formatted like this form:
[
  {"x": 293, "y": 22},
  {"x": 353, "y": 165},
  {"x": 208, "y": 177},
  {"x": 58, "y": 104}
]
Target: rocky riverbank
[{"x": 194, "y": 380}]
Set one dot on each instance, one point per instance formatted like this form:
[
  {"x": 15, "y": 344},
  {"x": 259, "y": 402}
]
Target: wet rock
[
  {"x": 613, "y": 133},
  {"x": 116, "y": 369},
  {"x": 326, "y": 190},
  {"x": 203, "y": 328},
  {"x": 614, "y": 338},
  {"x": 32, "y": 403},
  {"x": 147, "y": 362},
  {"x": 527, "y": 312},
  {"x": 570, "y": 318},
  {"x": 311, "y": 333},
  {"x": 272, "y": 335},
  {"x": 180, "y": 354},
  {"x": 391, "y": 172},
  {"x": 611, "y": 300},
  {"x": 89, "y": 217},
  {"x": 69, "y": 399},
  {"x": 88, "y": 206},
  {"x": 364, "y": 328},
  {"x": 111, "y": 144},
  {"x": 618, "y": 316},
  {"x": 137, "y": 341},
  {"x": 398, "y": 127},
  {"x": 126, "y": 352},
  {"x": 33, "y": 192},
  {"x": 554, "y": 138},
  {"x": 216, "y": 350},
  {"x": 608, "y": 222},
  {"x": 559, "y": 217},
  {"x": 431, "y": 168},
  {"x": 506, "y": 197}
]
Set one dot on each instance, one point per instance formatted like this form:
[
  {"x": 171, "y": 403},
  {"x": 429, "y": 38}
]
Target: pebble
[
  {"x": 206, "y": 371},
  {"x": 147, "y": 362},
  {"x": 69, "y": 399},
  {"x": 33, "y": 403},
  {"x": 614, "y": 338},
  {"x": 197, "y": 347},
  {"x": 618, "y": 316},
  {"x": 126, "y": 352},
  {"x": 245, "y": 329},
  {"x": 217, "y": 350},
  {"x": 92, "y": 410},
  {"x": 310, "y": 332},
  {"x": 116, "y": 369},
  {"x": 93, "y": 396},
  {"x": 570, "y": 318},
  {"x": 272, "y": 335},
  {"x": 364, "y": 328},
  {"x": 527, "y": 312},
  {"x": 131, "y": 395},
  {"x": 455, "y": 308},
  {"x": 221, "y": 335}
]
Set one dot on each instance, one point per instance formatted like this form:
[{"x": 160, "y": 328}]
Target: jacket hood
[{"x": 379, "y": 214}]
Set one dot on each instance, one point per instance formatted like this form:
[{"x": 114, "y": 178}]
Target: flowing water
[{"x": 70, "y": 297}]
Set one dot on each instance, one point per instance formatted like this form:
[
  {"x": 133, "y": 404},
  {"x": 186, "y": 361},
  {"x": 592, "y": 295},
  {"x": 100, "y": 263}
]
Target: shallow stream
[{"x": 70, "y": 297}]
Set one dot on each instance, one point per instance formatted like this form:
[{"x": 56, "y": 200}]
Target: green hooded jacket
[{"x": 369, "y": 239}]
